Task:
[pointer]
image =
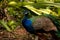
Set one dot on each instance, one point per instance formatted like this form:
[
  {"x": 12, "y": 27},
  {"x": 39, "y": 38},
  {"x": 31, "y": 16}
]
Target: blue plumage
[{"x": 28, "y": 24}]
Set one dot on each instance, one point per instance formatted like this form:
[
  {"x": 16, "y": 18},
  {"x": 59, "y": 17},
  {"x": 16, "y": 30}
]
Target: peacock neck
[{"x": 25, "y": 17}]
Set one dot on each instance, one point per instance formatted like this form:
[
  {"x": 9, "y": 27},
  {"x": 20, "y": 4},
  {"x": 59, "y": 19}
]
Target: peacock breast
[{"x": 27, "y": 23}]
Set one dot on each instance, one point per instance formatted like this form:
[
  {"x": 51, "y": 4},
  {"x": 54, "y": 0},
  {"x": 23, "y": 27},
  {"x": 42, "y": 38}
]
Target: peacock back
[{"x": 42, "y": 22}]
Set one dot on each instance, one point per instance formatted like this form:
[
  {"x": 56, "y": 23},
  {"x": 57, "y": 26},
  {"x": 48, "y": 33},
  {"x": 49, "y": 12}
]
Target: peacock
[{"x": 38, "y": 25}]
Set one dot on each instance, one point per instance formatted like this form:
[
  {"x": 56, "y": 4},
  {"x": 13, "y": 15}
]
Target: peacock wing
[{"x": 43, "y": 23}]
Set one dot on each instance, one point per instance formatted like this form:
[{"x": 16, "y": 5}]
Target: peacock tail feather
[{"x": 55, "y": 21}]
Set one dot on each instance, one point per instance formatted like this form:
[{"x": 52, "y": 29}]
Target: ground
[{"x": 17, "y": 34}]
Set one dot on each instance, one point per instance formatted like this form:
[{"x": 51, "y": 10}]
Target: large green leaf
[{"x": 40, "y": 11}]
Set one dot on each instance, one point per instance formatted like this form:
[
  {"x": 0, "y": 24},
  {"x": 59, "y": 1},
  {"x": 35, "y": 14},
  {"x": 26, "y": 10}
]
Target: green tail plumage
[{"x": 55, "y": 21}]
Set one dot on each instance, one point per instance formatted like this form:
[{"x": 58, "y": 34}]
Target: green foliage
[
  {"x": 12, "y": 24},
  {"x": 59, "y": 11},
  {"x": 2, "y": 22},
  {"x": 9, "y": 26}
]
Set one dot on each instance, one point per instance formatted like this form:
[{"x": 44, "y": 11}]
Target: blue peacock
[{"x": 40, "y": 24}]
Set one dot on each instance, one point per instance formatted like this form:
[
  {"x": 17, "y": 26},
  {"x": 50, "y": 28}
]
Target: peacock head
[{"x": 27, "y": 13}]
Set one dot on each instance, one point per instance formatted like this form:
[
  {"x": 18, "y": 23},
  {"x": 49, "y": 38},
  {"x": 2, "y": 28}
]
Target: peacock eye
[{"x": 26, "y": 13}]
